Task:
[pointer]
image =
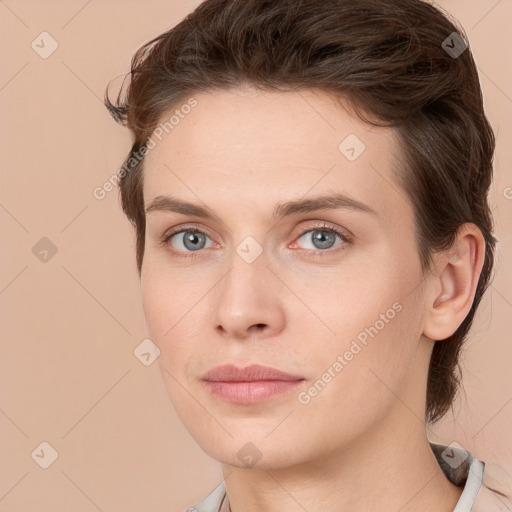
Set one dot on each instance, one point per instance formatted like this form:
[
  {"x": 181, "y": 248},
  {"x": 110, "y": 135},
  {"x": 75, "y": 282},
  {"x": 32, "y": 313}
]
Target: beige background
[{"x": 70, "y": 325}]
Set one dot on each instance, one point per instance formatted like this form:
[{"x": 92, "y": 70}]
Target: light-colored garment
[{"x": 459, "y": 466}]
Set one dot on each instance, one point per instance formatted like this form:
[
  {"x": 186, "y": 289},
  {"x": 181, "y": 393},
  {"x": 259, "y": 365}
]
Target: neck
[{"x": 387, "y": 469}]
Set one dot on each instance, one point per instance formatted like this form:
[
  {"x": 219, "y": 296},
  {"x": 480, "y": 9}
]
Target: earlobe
[{"x": 455, "y": 283}]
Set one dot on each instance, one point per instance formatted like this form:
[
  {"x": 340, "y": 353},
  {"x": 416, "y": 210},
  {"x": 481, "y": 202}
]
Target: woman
[{"x": 308, "y": 185}]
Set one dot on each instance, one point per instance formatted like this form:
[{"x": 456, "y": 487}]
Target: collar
[
  {"x": 459, "y": 466},
  {"x": 463, "y": 470}
]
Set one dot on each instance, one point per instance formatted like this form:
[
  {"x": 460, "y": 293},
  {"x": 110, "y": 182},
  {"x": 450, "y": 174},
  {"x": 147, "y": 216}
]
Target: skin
[{"x": 240, "y": 153}]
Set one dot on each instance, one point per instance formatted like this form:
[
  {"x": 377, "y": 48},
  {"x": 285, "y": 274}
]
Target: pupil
[
  {"x": 322, "y": 237},
  {"x": 192, "y": 240}
]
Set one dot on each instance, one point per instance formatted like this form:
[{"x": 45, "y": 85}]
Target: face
[{"x": 331, "y": 293}]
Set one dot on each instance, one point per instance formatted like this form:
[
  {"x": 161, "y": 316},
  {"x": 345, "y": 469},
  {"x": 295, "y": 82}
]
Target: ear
[{"x": 454, "y": 283}]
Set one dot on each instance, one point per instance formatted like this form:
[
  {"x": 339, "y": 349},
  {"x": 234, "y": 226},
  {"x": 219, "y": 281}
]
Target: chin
[{"x": 253, "y": 451}]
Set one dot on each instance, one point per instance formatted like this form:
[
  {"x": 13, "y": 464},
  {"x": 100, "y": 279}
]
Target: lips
[
  {"x": 250, "y": 385},
  {"x": 252, "y": 373}
]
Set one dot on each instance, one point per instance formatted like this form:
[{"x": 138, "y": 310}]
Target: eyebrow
[{"x": 325, "y": 202}]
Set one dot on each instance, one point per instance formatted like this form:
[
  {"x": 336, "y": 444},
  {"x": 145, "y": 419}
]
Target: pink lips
[{"x": 248, "y": 385}]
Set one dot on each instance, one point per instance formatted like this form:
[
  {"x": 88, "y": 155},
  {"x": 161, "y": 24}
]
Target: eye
[
  {"x": 189, "y": 240},
  {"x": 322, "y": 238}
]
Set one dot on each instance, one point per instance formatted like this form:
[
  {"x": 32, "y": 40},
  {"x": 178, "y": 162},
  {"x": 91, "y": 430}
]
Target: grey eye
[
  {"x": 189, "y": 240},
  {"x": 320, "y": 238}
]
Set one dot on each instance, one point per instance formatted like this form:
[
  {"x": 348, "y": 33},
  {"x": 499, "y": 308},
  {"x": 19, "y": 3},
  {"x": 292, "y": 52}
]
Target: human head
[{"x": 387, "y": 59}]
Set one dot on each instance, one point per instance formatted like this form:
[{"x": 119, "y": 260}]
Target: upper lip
[{"x": 254, "y": 372}]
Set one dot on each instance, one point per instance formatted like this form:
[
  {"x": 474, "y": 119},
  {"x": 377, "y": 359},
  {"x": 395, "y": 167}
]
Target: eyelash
[{"x": 346, "y": 239}]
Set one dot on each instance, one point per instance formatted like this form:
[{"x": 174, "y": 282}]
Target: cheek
[
  {"x": 350, "y": 304},
  {"x": 155, "y": 304},
  {"x": 171, "y": 304},
  {"x": 161, "y": 300},
  {"x": 163, "y": 291},
  {"x": 166, "y": 319},
  {"x": 362, "y": 371},
  {"x": 374, "y": 322}
]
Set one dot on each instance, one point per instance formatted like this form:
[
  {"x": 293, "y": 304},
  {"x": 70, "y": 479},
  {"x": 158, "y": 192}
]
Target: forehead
[{"x": 253, "y": 145}]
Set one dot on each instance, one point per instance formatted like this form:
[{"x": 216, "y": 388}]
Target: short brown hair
[{"x": 390, "y": 59}]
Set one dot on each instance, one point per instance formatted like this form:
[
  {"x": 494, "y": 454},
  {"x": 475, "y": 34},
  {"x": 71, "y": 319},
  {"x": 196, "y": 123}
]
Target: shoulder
[{"x": 495, "y": 493}]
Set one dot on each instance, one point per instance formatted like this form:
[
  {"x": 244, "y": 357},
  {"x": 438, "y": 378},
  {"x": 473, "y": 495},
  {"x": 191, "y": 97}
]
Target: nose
[{"x": 249, "y": 301}]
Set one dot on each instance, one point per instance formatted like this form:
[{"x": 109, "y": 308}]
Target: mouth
[{"x": 249, "y": 385}]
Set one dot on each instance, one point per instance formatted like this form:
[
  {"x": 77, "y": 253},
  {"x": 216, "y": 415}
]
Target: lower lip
[{"x": 250, "y": 392}]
